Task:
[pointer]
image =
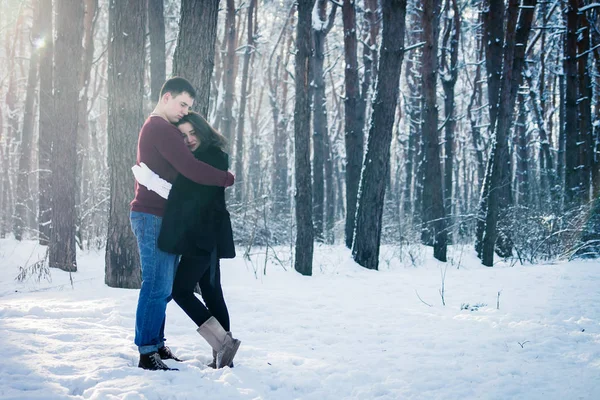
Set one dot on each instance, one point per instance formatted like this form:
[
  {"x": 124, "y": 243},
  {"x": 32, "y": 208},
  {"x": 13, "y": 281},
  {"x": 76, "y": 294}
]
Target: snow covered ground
[{"x": 344, "y": 333}]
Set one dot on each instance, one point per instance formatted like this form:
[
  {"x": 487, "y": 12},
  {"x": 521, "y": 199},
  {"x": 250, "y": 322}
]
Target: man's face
[{"x": 176, "y": 107}]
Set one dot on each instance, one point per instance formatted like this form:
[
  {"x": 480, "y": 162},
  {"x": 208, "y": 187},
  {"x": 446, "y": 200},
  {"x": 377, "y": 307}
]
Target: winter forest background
[{"x": 364, "y": 122}]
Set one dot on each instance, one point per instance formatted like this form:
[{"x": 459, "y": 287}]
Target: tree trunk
[
  {"x": 562, "y": 135},
  {"x": 12, "y": 129},
  {"x": 584, "y": 102},
  {"x": 493, "y": 35},
  {"x": 547, "y": 171},
  {"x": 277, "y": 83},
  {"x": 304, "y": 225},
  {"x": 376, "y": 171},
  {"x": 83, "y": 142},
  {"x": 596, "y": 118},
  {"x": 127, "y": 21},
  {"x": 413, "y": 110},
  {"x": 330, "y": 199},
  {"x": 500, "y": 196},
  {"x": 354, "y": 136},
  {"x": 229, "y": 77},
  {"x": 449, "y": 72},
  {"x": 320, "y": 130},
  {"x": 573, "y": 184},
  {"x": 475, "y": 101},
  {"x": 493, "y": 38},
  {"x": 194, "y": 56},
  {"x": 46, "y": 123},
  {"x": 67, "y": 70},
  {"x": 434, "y": 231},
  {"x": 239, "y": 145},
  {"x": 370, "y": 56},
  {"x": 523, "y": 192},
  {"x": 158, "y": 60},
  {"x": 23, "y": 204}
]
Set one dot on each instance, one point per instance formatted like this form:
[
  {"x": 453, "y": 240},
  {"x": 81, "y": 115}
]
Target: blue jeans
[{"x": 158, "y": 272}]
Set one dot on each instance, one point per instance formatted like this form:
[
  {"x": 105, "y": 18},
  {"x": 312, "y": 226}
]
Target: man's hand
[{"x": 146, "y": 177}]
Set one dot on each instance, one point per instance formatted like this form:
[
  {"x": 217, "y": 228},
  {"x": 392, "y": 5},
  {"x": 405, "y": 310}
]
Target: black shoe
[
  {"x": 165, "y": 353},
  {"x": 152, "y": 362}
]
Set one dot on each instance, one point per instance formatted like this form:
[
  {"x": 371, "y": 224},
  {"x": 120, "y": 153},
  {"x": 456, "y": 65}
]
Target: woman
[{"x": 196, "y": 225}]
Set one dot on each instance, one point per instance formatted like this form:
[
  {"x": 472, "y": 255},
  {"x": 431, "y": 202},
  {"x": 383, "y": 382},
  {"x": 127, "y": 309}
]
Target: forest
[{"x": 355, "y": 122}]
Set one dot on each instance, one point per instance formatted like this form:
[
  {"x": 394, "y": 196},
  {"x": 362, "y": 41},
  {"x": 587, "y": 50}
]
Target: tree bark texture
[
  {"x": 83, "y": 141},
  {"x": 127, "y": 21},
  {"x": 573, "y": 184},
  {"x": 434, "y": 231},
  {"x": 67, "y": 70},
  {"x": 239, "y": 142},
  {"x": 376, "y": 169},
  {"x": 414, "y": 105},
  {"x": 46, "y": 123},
  {"x": 194, "y": 56},
  {"x": 304, "y": 224},
  {"x": 584, "y": 103},
  {"x": 23, "y": 204},
  {"x": 354, "y": 137},
  {"x": 229, "y": 76},
  {"x": 449, "y": 73},
  {"x": 158, "y": 60},
  {"x": 320, "y": 128},
  {"x": 500, "y": 194},
  {"x": 279, "y": 84}
]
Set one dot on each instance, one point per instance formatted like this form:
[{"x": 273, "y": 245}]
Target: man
[{"x": 162, "y": 149}]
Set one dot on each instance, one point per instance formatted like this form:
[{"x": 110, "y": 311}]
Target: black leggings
[{"x": 192, "y": 270}]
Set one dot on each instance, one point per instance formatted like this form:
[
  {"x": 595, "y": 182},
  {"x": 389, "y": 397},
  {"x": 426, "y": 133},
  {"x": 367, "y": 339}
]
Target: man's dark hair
[{"x": 176, "y": 86}]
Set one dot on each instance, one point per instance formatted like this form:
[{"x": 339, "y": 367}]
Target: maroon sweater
[{"x": 162, "y": 149}]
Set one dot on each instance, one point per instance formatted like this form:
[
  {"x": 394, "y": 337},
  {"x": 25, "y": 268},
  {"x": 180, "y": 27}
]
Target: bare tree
[
  {"x": 83, "y": 176},
  {"x": 584, "y": 104},
  {"x": 573, "y": 184},
  {"x": 194, "y": 57},
  {"x": 500, "y": 194},
  {"x": 278, "y": 83},
  {"x": 23, "y": 205},
  {"x": 11, "y": 130},
  {"x": 413, "y": 104},
  {"x": 46, "y": 110},
  {"x": 595, "y": 33},
  {"x": 239, "y": 146},
  {"x": 354, "y": 136},
  {"x": 522, "y": 167},
  {"x": 433, "y": 232},
  {"x": 449, "y": 76},
  {"x": 67, "y": 70},
  {"x": 493, "y": 40},
  {"x": 229, "y": 76},
  {"x": 365, "y": 250},
  {"x": 158, "y": 61},
  {"x": 127, "y": 22},
  {"x": 304, "y": 225},
  {"x": 320, "y": 29}
]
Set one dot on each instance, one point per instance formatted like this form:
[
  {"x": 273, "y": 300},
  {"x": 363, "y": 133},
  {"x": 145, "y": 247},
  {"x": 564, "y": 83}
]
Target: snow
[
  {"x": 317, "y": 23},
  {"x": 344, "y": 333}
]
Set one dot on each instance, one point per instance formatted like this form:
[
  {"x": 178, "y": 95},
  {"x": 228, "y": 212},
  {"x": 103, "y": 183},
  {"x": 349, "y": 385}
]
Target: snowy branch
[{"x": 589, "y": 7}]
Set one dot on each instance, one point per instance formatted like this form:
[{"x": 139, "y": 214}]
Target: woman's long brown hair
[{"x": 209, "y": 137}]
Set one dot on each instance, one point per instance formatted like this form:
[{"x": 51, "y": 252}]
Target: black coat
[{"x": 196, "y": 218}]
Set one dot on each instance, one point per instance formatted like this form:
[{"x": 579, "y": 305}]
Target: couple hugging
[{"x": 182, "y": 226}]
